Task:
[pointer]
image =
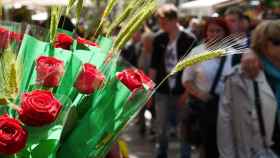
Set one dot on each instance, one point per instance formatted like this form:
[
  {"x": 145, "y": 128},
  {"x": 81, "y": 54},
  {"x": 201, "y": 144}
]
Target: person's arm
[
  {"x": 226, "y": 144},
  {"x": 194, "y": 91}
]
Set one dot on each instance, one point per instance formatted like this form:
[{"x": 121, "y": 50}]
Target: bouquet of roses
[{"x": 69, "y": 91}]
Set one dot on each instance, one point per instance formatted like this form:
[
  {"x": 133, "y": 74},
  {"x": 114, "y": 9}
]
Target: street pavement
[{"x": 144, "y": 147}]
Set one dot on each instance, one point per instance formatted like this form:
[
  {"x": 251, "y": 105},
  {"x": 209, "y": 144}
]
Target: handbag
[{"x": 266, "y": 152}]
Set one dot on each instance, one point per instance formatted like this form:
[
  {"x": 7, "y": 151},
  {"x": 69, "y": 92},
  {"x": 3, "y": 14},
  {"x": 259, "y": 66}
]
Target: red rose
[
  {"x": 63, "y": 41},
  {"x": 5, "y": 38},
  {"x": 38, "y": 108},
  {"x": 84, "y": 41},
  {"x": 89, "y": 79},
  {"x": 49, "y": 71},
  {"x": 12, "y": 136},
  {"x": 134, "y": 79},
  {"x": 16, "y": 36}
]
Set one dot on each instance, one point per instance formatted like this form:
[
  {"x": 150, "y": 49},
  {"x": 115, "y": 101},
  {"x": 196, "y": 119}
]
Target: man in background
[{"x": 170, "y": 45}]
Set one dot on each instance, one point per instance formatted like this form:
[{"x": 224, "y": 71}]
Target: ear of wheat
[{"x": 233, "y": 44}]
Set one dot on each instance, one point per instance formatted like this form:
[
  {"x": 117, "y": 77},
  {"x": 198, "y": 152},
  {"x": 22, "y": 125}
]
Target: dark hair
[
  {"x": 218, "y": 21},
  {"x": 66, "y": 23},
  {"x": 234, "y": 11},
  {"x": 168, "y": 11}
]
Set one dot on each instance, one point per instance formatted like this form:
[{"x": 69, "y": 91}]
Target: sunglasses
[{"x": 275, "y": 41}]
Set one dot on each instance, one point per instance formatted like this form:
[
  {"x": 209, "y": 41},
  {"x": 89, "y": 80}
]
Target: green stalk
[
  {"x": 69, "y": 6},
  {"x": 106, "y": 13},
  {"x": 79, "y": 9},
  {"x": 145, "y": 14},
  {"x": 135, "y": 4},
  {"x": 55, "y": 16},
  {"x": 134, "y": 24}
]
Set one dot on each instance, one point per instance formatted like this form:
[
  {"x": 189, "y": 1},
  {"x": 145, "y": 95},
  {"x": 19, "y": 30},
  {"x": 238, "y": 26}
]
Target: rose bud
[
  {"x": 39, "y": 108},
  {"x": 84, "y": 41},
  {"x": 89, "y": 79},
  {"x": 12, "y": 136},
  {"x": 63, "y": 41},
  {"x": 135, "y": 79},
  {"x": 49, "y": 71},
  {"x": 16, "y": 36},
  {"x": 5, "y": 38}
]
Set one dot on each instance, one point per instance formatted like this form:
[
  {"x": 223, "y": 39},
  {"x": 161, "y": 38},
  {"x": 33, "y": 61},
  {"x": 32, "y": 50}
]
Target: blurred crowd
[{"x": 226, "y": 107}]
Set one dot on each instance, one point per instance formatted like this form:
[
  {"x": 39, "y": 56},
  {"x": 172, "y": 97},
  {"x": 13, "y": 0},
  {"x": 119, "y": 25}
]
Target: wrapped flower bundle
[{"x": 52, "y": 89}]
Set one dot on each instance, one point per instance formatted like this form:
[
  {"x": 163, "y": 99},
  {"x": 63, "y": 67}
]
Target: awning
[{"x": 204, "y": 7}]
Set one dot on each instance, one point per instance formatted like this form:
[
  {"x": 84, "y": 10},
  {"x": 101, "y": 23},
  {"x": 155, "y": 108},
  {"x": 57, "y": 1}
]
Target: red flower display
[
  {"x": 63, "y": 41},
  {"x": 39, "y": 108},
  {"x": 12, "y": 136},
  {"x": 134, "y": 79},
  {"x": 84, "y": 41},
  {"x": 49, "y": 71},
  {"x": 89, "y": 79}
]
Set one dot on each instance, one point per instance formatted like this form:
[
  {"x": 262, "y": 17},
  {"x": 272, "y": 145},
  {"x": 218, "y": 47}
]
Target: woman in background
[
  {"x": 199, "y": 83},
  {"x": 239, "y": 133}
]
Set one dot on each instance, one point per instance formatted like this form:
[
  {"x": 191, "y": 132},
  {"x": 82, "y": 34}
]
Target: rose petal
[
  {"x": 84, "y": 41},
  {"x": 49, "y": 71},
  {"x": 39, "y": 108},
  {"x": 135, "y": 79},
  {"x": 12, "y": 136},
  {"x": 89, "y": 79},
  {"x": 63, "y": 41}
]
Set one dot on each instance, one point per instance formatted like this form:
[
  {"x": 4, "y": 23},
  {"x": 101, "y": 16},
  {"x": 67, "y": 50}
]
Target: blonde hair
[
  {"x": 264, "y": 32},
  {"x": 148, "y": 36}
]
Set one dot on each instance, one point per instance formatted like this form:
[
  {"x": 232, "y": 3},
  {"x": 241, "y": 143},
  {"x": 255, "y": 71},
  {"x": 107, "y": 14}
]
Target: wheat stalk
[
  {"x": 55, "y": 16},
  {"x": 233, "y": 44},
  {"x": 198, "y": 58},
  {"x": 106, "y": 13},
  {"x": 12, "y": 81},
  {"x": 79, "y": 9},
  {"x": 69, "y": 6},
  {"x": 134, "y": 4},
  {"x": 135, "y": 27},
  {"x": 134, "y": 24}
]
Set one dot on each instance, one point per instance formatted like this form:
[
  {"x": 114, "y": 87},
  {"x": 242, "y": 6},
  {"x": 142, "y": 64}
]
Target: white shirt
[
  {"x": 171, "y": 59},
  {"x": 203, "y": 74}
]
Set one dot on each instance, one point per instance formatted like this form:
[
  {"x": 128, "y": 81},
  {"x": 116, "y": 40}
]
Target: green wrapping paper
[
  {"x": 105, "y": 44},
  {"x": 43, "y": 141},
  {"x": 113, "y": 107},
  {"x": 30, "y": 49}
]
